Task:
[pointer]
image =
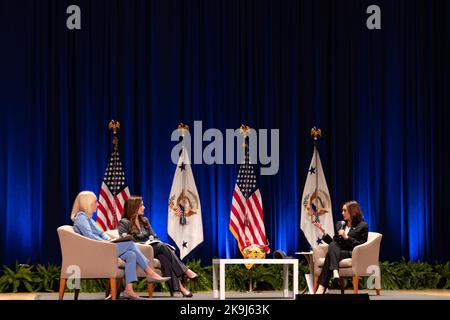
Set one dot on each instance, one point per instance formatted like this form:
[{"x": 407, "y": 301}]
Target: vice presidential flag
[
  {"x": 113, "y": 193},
  {"x": 184, "y": 222},
  {"x": 316, "y": 203}
]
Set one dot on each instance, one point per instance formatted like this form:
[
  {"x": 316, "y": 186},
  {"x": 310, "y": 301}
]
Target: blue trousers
[{"x": 133, "y": 257}]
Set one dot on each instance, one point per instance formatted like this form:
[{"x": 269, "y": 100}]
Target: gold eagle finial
[
  {"x": 183, "y": 128},
  {"x": 114, "y": 125},
  {"x": 315, "y": 133}
]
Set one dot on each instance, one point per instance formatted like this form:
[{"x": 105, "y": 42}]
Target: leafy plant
[
  {"x": 444, "y": 272},
  {"x": 204, "y": 280},
  {"x": 389, "y": 276},
  {"x": 19, "y": 279},
  {"x": 140, "y": 285},
  {"x": 236, "y": 278},
  {"x": 416, "y": 275},
  {"x": 46, "y": 278},
  {"x": 93, "y": 285},
  {"x": 394, "y": 275}
]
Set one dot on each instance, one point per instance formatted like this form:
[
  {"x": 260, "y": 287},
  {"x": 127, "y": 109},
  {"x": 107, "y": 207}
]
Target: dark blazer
[
  {"x": 142, "y": 236},
  {"x": 357, "y": 235}
]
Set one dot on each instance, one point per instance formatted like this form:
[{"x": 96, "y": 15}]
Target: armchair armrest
[{"x": 365, "y": 255}]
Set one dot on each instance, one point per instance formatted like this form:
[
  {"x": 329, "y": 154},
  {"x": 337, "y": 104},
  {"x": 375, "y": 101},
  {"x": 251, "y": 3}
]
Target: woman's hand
[
  {"x": 343, "y": 235},
  {"x": 319, "y": 226}
]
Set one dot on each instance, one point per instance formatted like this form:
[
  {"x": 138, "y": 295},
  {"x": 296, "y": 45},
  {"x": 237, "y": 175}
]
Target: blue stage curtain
[{"x": 381, "y": 98}]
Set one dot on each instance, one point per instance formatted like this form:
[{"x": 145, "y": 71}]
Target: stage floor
[{"x": 275, "y": 295}]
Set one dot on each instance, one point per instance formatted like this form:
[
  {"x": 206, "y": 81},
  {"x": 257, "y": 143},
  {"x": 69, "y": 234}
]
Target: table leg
[
  {"x": 215, "y": 287},
  {"x": 222, "y": 280},
  {"x": 285, "y": 280}
]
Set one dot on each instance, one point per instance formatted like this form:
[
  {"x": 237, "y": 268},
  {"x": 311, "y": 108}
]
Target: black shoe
[
  {"x": 187, "y": 295},
  {"x": 186, "y": 278}
]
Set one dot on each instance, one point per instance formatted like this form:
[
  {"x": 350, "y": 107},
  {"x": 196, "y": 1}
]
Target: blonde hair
[{"x": 82, "y": 203}]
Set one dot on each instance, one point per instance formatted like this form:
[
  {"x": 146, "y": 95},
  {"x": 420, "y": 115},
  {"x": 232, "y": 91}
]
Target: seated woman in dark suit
[
  {"x": 352, "y": 231},
  {"x": 135, "y": 224}
]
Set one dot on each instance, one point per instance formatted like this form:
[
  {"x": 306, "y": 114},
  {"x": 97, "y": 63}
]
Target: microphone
[{"x": 342, "y": 227}]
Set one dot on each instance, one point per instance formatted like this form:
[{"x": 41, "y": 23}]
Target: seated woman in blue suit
[
  {"x": 136, "y": 224},
  {"x": 352, "y": 231},
  {"x": 84, "y": 206}
]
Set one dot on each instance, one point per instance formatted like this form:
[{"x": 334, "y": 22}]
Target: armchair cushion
[{"x": 344, "y": 263}]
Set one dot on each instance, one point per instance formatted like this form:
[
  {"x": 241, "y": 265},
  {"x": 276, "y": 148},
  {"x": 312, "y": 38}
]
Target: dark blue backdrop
[{"x": 381, "y": 98}]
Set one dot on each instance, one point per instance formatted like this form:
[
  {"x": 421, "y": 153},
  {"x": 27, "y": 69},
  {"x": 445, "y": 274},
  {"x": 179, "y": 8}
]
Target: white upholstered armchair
[{"x": 363, "y": 263}]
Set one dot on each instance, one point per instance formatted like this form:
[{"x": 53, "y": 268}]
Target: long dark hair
[
  {"x": 130, "y": 212},
  {"x": 355, "y": 212}
]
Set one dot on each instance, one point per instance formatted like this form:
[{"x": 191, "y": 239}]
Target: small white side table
[{"x": 219, "y": 274}]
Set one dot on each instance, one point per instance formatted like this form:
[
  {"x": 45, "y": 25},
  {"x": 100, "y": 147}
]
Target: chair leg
[
  {"x": 120, "y": 286},
  {"x": 62, "y": 287},
  {"x": 77, "y": 292},
  {"x": 341, "y": 284},
  {"x": 378, "y": 285},
  {"x": 355, "y": 284},
  {"x": 112, "y": 282},
  {"x": 108, "y": 289},
  {"x": 150, "y": 289}
]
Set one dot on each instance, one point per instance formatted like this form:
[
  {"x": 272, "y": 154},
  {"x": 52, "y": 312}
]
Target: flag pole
[
  {"x": 315, "y": 134},
  {"x": 183, "y": 128},
  {"x": 115, "y": 126},
  {"x": 244, "y": 130}
]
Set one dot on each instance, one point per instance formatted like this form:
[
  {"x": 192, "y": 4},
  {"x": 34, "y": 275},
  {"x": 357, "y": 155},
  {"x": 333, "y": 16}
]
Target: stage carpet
[{"x": 276, "y": 295}]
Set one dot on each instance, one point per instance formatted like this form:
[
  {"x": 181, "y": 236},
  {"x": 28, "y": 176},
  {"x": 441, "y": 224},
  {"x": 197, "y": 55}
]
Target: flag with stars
[
  {"x": 184, "y": 222},
  {"x": 113, "y": 193},
  {"x": 246, "y": 217},
  {"x": 316, "y": 203}
]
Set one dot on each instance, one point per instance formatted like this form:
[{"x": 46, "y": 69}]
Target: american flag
[
  {"x": 113, "y": 193},
  {"x": 246, "y": 218}
]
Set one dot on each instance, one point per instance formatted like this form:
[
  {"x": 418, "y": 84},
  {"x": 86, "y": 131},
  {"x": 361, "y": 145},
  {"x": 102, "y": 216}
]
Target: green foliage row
[{"x": 394, "y": 275}]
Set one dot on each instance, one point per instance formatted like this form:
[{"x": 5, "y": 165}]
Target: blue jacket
[{"x": 88, "y": 227}]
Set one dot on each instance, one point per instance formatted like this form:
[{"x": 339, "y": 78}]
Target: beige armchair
[
  {"x": 94, "y": 260},
  {"x": 91, "y": 258},
  {"x": 363, "y": 263}
]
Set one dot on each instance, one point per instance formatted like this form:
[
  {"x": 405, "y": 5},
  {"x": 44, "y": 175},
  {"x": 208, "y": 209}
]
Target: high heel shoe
[
  {"x": 155, "y": 280},
  {"x": 187, "y": 278},
  {"x": 129, "y": 297},
  {"x": 187, "y": 295}
]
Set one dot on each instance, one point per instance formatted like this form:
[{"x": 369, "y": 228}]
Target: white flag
[
  {"x": 316, "y": 203},
  {"x": 184, "y": 221}
]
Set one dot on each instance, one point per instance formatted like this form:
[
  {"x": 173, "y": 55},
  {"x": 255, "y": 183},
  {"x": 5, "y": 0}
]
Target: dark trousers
[
  {"x": 171, "y": 265},
  {"x": 334, "y": 255}
]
